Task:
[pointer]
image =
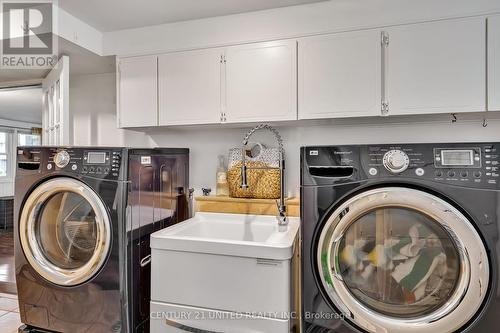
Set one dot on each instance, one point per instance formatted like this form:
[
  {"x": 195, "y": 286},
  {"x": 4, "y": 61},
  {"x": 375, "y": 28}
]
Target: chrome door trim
[
  {"x": 146, "y": 260},
  {"x": 30, "y": 244},
  {"x": 474, "y": 271}
]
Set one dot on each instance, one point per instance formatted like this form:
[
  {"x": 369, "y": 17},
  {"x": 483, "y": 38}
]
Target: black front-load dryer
[
  {"x": 400, "y": 238},
  {"x": 83, "y": 220}
]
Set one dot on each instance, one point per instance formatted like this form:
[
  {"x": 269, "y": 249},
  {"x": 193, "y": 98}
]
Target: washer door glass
[
  {"x": 399, "y": 262},
  {"x": 402, "y": 260},
  {"x": 65, "y": 231}
]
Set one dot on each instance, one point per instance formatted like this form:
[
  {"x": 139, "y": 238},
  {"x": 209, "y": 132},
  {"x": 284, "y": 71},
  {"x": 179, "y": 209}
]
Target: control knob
[
  {"x": 396, "y": 161},
  {"x": 61, "y": 159}
]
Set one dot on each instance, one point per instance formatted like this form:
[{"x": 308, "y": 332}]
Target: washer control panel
[{"x": 95, "y": 162}]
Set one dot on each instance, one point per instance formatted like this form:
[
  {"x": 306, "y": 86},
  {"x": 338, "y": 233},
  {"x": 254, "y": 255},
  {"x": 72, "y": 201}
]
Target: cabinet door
[
  {"x": 437, "y": 67},
  {"x": 340, "y": 75},
  {"x": 190, "y": 87},
  {"x": 137, "y": 92},
  {"x": 494, "y": 63},
  {"x": 261, "y": 82}
]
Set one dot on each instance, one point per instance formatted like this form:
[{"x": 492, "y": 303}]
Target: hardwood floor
[{"x": 7, "y": 267}]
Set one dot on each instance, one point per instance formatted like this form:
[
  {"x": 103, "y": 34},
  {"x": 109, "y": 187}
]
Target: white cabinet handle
[{"x": 187, "y": 328}]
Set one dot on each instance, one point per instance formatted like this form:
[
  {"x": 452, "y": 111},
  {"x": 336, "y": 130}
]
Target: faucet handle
[{"x": 281, "y": 208}]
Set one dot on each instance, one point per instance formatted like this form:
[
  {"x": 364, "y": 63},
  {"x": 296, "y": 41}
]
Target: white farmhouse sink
[
  {"x": 220, "y": 265},
  {"x": 256, "y": 236}
]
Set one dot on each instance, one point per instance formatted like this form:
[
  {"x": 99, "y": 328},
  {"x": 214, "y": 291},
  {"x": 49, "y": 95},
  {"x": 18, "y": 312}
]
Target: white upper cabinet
[
  {"x": 437, "y": 67},
  {"x": 190, "y": 87},
  {"x": 340, "y": 75},
  {"x": 494, "y": 63},
  {"x": 261, "y": 82},
  {"x": 137, "y": 92}
]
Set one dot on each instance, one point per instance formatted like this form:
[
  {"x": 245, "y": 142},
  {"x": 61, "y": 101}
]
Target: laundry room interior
[{"x": 249, "y": 166}]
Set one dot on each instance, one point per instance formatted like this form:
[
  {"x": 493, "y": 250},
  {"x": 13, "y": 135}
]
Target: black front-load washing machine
[
  {"x": 400, "y": 238},
  {"x": 83, "y": 220}
]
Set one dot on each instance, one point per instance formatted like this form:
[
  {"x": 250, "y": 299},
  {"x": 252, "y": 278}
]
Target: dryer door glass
[
  {"x": 399, "y": 262},
  {"x": 397, "y": 259},
  {"x": 65, "y": 231}
]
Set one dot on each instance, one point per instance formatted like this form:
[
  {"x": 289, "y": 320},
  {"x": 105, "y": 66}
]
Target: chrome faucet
[{"x": 282, "y": 218}]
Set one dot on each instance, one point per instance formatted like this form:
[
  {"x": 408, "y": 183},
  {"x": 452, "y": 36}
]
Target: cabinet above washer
[{"x": 236, "y": 84}]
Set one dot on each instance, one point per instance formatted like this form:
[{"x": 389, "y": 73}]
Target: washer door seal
[{"x": 472, "y": 268}]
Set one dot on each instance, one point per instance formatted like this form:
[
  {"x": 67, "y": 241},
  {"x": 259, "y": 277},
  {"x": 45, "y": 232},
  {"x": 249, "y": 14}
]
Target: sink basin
[{"x": 256, "y": 236}]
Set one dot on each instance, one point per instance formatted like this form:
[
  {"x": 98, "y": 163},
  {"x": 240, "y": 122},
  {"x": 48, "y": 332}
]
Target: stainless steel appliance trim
[
  {"x": 30, "y": 244},
  {"x": 471, "y": 287}
]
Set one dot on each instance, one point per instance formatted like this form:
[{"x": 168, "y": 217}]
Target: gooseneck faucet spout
[{"x": 282, "y": 218}]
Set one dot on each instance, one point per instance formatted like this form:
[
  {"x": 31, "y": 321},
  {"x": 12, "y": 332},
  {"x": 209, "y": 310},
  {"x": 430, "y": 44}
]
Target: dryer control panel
[{"x": 465, "y": 164}]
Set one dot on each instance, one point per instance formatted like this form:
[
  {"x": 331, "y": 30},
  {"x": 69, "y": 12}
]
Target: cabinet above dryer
[
  {"x": 432, "y": 67},
  {"x": 494, "y": 63},
  {"x": 436, "y": 67}
]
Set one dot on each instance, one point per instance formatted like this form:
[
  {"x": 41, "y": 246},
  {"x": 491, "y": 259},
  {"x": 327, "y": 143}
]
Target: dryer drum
[{"x": 402, "y": 260}]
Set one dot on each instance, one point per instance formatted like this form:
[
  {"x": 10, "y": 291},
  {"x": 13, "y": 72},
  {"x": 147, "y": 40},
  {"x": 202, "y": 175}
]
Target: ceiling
[
  {"x": 81, "y": 62},
  {"x": 111, "y": 15},
  {"x": 23, "y": 105}
]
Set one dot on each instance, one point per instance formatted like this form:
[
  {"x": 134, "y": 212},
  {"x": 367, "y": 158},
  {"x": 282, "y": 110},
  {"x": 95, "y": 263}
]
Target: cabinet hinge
[
  {"x": 222, "y": 59},
  {"x": 223, "y": 117},
  {"x": 385, "y": 108},
  {"x": 385, "y": 38}
]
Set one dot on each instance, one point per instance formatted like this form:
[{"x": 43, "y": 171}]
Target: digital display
[
  {"x": 96, "y": 158},
  {"x": 457, "y": 157}
]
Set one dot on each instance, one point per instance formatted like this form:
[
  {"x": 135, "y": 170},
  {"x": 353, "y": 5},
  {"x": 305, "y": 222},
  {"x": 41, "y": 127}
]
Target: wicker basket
[{"x": 262, "y": 184}]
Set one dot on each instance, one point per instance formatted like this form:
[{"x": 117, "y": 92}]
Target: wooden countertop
[{"x": 220, "y": 204}]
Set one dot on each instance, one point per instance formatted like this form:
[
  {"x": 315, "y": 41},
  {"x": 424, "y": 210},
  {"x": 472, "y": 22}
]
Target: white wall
[
  {"x": 208, "y": 142},
  {"x": 288, "y": 22},
  {"x": 93, "y": 111}
]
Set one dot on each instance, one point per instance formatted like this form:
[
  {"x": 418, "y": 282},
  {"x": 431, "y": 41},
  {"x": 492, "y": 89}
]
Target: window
[
  {"x": 4, "y": 150},
  {"x": 27, "y": 139},
  {"x": 9, "y": 139}
]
